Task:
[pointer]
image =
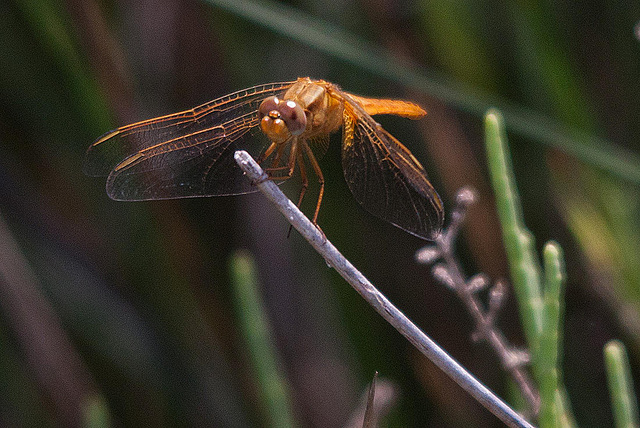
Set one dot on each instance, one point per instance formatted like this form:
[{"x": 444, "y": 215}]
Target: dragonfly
[{"x": 285, "y": 125}]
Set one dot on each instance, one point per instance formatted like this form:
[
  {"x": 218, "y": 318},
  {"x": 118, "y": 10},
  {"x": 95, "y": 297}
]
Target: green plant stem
[
  {"x": 623, "y": 398},
  {"x": 551, "y": 339},
  {"x": 258, "y": 339},
  {"x": 540, "y": 309},
  {"x": 519, "y": 244}
]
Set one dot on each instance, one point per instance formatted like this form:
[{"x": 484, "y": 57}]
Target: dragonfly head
[{"x": 280, "y": 119}]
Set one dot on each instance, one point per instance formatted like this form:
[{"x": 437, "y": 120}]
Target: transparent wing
[
  {"x": 184, "y": 154},
  {"x": 386, "y": 179}
]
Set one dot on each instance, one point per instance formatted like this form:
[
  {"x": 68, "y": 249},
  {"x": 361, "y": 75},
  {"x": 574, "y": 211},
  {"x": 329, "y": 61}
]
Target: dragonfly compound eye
[
  {"x": 293, "y": 116},
  {"x": 271, "y": 121},
  {"x": 268, "y": 105},
  {"x": 280, "y": 119}
]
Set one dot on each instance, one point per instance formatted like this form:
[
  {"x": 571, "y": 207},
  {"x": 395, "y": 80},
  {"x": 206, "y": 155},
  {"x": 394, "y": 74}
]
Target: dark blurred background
[{"x": 131, "y": 302}]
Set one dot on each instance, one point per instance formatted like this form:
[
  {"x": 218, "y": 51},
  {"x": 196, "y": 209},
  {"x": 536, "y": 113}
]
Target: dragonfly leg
[
  {"x": 293, "y": 156},
  {"x": 267, "y": 153},
  {"x": 276, "y": 159},
  {"x": 274, "y": 165},
  {"x": 291, "y": 164},
  {"x": 303, "y": 178},
  {"x": 305, "y": 183},
  {"x": 316, "y": 168}
]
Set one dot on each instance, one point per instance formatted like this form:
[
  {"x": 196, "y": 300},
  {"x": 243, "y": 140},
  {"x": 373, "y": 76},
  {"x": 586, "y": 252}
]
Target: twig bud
[
  {"x": 427, "y": 255},
  {"x": 466, "y": 196},
  {"x": 441, "y": 273},
  {"x": 477, "y": 282},
  {"x": 518, "y": 357}
]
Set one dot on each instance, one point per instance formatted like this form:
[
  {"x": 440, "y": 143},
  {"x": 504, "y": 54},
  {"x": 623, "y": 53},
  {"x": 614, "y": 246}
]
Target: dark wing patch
[{"x": 387, "y": 180}]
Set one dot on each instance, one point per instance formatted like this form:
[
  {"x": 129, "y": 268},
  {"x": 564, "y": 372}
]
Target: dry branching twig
[{"x": 448, "y": 271}]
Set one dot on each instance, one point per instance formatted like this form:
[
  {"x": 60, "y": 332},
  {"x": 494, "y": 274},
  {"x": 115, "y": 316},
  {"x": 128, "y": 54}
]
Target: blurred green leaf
[{"x": 259, "y": 340}]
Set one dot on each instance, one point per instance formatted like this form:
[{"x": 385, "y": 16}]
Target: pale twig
[{"x": 376, "y": 299}]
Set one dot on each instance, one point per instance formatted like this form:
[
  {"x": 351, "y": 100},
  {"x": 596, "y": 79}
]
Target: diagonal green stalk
[
  {"x": 258, "y": 339},
  {"x": 540, "y": 308},
  {"x": 49, "y": 25},
  {"x": 523, "y": 263},
  {"x": 623, "y": 398}
]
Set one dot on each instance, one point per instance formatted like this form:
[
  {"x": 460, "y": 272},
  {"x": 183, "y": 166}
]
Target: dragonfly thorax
[{"x": 323, "y": 107}]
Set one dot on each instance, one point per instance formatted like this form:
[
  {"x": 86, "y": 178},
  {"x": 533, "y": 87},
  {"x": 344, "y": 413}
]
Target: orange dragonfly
[{"x": 190, "y": 154}]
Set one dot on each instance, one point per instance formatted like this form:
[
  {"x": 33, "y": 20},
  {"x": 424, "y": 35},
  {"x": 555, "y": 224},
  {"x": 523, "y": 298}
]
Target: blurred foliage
[{"x": 142, "y": 290}]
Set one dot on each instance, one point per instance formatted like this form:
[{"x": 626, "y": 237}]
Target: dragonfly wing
[
  {"x": 184, "y": 154},
  {"x": 387, "y": 180},
  {"x": 204, "y": 169}
]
